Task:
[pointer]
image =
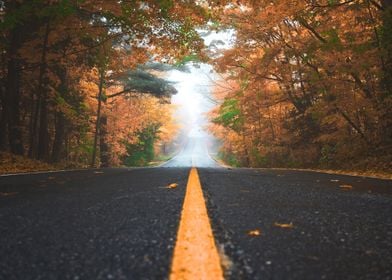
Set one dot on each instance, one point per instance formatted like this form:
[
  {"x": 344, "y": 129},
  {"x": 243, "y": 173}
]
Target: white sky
[{"x": 193, "y": 87}]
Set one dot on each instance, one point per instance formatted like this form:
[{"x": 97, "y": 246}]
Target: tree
[
  {"x": 48, "y": 48},
  {"x": 313, "y": 79}
]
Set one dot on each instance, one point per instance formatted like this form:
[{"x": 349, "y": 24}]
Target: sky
[{"x": 194, "y": 97}]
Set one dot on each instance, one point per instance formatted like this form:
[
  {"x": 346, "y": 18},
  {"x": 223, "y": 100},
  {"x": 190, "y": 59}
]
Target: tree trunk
[
  {"x": 3, "y": 113},
  {"x": 3, "y": 121},
  {"x": 13, "y": 92},
  {"x": 387, "y": 45},
  {"x": 43, "y": 135},
  {"x": 103, "y": 145},
  {"x": 42, "y": 110},
  {"x": 385, "y": 121},
  {"x": 58, "y": 143},
  {"x": 97, "y": 123}
]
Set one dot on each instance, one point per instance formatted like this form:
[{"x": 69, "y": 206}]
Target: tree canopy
[{"x": 307, "y": 83}]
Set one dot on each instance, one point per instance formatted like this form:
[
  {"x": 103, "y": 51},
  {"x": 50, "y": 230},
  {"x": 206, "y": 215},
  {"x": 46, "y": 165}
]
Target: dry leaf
[
  {"x": 255, "y": 232},
  {"x": 98, "y": 172},
  {"x": 290, "y": 225},
  {"x": 346, "y": 187},
  {"x": 51, "y": 178},
  {"x": 8, "y": 193},
  {"x": 334, "y": 180},
  {"x": 172, "y": 186}
]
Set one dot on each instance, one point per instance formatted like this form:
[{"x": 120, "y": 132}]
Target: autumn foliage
[
  {"x": 71, "y": 89},
  {"x": 307, "y": 84}
]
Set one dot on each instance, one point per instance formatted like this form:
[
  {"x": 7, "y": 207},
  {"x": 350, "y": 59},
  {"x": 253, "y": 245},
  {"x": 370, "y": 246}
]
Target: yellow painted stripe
[{"x": 195, "y": 254}]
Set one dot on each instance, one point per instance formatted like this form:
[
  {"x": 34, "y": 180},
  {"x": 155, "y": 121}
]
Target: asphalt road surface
[
  {"x": 195, "y": 152},
  {"x": 122, "y": 223}
]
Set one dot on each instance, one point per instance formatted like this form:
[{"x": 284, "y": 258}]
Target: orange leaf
[
  {"x": 346, "y": 187},
  {"x": 8, "y": 193},
  {"x": 255, "y": 232},
  {"x": 172, "y": 186},
  {"x": 290, "y": 225}
]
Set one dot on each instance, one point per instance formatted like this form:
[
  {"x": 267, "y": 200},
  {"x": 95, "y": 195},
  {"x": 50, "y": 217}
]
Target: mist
[{"x": 193, "y": 102}]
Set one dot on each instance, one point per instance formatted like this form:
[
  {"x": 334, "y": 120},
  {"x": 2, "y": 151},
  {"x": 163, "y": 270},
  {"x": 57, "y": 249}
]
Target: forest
[
  {"x": 78, "y": 81},
  {"x": 307, "y": 83}
]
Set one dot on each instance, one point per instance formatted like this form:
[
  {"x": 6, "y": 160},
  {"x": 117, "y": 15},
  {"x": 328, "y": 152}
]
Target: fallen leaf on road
[
  {"x": 245, "y": 191},
  {"x": 172, "y": 186},
  {"x": 313, "y": 258},
  {"x": 346, "y": 187},
  {"x": 334, "y": 180},
  {"x": 290, "y": 225},
  {"x": 51, "y": 178},
  {"x": 8, "y": 193},
  {"x": 98, "y": 172},
  {"x": 255, "y": 232}
]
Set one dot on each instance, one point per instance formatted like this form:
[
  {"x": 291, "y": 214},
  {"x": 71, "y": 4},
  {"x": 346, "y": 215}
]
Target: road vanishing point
[{"x": 194, "y": 219}]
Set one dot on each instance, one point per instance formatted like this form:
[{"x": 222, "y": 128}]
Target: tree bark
[
  {"x": 13, "y": 91},
  {"x": 353, "y": 125},
  {"x": 58, "y": 143},
  {"x": 3, "y": 120},
  {"x": 103, "y": 145},
  {"x": 42, "y": 110},
  {"x": 97, "y": 123}
]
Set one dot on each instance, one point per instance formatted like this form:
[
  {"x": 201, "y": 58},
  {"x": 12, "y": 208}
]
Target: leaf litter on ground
[
  {"x": 254, "y": 232},
  {"x": 284, "y": 225},
  {"x": 170, "y": 186},
  {"x": 8, "y": 193},
  {"x": 346, "y": 187}
]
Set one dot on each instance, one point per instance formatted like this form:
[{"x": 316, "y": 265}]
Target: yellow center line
[{"x": 195, "y": 253}]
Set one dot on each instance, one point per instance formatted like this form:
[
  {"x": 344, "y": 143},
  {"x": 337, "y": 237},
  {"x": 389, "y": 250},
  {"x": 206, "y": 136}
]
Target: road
[
  {"x": 195, "y": 152},
  {"x": 123, "y": 223}
]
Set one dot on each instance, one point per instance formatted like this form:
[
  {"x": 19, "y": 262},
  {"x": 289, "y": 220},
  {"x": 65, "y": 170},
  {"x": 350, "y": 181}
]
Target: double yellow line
[{"x": 195, "y": 254}]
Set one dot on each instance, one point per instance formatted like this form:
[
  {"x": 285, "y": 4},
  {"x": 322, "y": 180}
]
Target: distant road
[
  {"x": 123, "y": 223},
  {"x": 194, "y": 153}
]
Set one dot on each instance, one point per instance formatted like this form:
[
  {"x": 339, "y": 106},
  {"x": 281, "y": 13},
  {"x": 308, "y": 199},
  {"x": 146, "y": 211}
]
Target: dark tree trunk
[
  {"x": 385, "y": 126},
  {"x": 3, "y": 113},
  {"x": 103, "y": 145},
  {"x": 387, "y": 46},
  {"x": 43, "y": 135},
  {"x": 13, "y": 92},
  {"x": 97, "y": 124},
  {"x": 61, "y": 120},
  {"x": 43, "y": 132},
  {"x": 3, "y": 121},
  {"x": 3, "y": 129},
  {"x": 58, "y": 143}
]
